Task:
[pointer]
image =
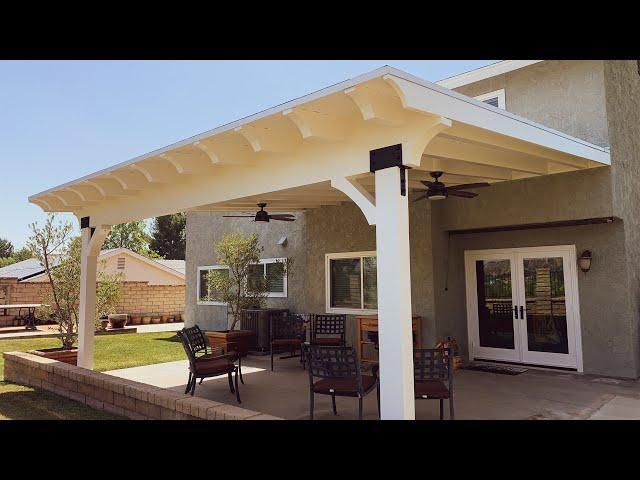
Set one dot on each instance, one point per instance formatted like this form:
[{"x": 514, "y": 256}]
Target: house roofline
[{"x": 482, "y": 73}]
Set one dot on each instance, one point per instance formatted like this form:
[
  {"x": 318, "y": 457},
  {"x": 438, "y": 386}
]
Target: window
[
  {"x": 271, "y": 270},
  {"x": 351, "y": 282},
  {"x": 497, "y": 98},
  {"x": 205, "y": 295}
]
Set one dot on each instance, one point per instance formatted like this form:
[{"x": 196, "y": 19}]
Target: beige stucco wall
[
  {"x": 567, "y": 95},
  {"x": 136, "y": 270}
]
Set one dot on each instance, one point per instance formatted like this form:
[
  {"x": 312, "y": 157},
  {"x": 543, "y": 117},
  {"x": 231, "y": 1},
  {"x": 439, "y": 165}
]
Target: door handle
[
  {"x": 515, "y": 311},
  {"x": 521, "y": 312}
]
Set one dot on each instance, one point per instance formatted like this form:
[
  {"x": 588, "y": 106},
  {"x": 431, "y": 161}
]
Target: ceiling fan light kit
[
  {"x": 437, "y": 190},
  {"x": 263, "y": 216}
]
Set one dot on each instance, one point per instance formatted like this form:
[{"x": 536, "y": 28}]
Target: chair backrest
[
  {"x": 285, "y": 325},
  {"x": 433, "y": 364},
  {"x": 332, "y": 361},
  {"x": 196, "y": 339},
  {"x": 328, "y": 325},
  {"x": 186, "y": 344}
]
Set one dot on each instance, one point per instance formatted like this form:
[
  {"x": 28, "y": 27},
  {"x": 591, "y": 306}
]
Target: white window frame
[
  {"x": 207, "y": 268},
  {"x": 497, "y": 93},
  {"x": 327, "y": 275},
  {"x": 282, "y": 294}
]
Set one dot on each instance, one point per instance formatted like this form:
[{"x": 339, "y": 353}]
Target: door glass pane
[
  {"x": 345, "y": 283},
  {"x": 370, "y": 282},
  {"x": 546, "y": 307},
  {"x": 495, "y": 307}
]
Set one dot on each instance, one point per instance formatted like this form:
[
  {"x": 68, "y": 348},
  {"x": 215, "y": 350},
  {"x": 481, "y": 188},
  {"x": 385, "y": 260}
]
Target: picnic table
[{"x": 29, "y": 307}]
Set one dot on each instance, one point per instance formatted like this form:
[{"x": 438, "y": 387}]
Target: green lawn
[{"x": 111, "y": 352}]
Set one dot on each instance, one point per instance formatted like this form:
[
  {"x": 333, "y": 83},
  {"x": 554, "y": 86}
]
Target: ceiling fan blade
[
  {"x": 469, "y": 185},
  {"x": 420, "y": 198},
  {"x": 282, "y": 218},
  {"x": 239, "y": 216},
  {"x": 427, "y": 183},
  {"x": 457, "y": 193}
]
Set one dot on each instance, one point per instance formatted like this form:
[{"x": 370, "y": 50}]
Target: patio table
[{"x": 29, "y": 307}]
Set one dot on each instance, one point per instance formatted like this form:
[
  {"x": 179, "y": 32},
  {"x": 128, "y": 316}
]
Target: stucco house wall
[{"x": 587, "y": 99}]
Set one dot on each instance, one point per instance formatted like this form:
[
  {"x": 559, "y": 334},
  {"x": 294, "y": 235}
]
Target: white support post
[
  {"x": 91, "y": 245},
  {"x": 394, "y": 297}
]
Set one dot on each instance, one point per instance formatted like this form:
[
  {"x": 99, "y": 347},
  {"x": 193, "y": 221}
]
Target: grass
[{"x": 112, "y": 352}]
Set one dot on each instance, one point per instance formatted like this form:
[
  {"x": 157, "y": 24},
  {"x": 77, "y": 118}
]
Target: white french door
[{"x": 522, "y": 305}]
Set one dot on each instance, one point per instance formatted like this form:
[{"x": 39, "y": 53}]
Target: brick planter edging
[{"x": 119, "y": 396}]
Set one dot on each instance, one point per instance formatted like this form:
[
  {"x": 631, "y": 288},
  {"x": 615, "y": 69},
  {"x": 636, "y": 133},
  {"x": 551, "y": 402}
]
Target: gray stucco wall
[
  {"x": 204, "y": 229},
  {"x": 567, "y": 95},
  {"x": 622, "y": 86}
]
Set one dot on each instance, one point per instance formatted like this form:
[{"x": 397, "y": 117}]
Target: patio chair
[
  {"x": 286, "y": 330},
  {"x": 433, "y": 376},
  {"x": 204, "y": 363},
  {"x": 328, "y": 330},
  {"x": 340, "y": 376}
]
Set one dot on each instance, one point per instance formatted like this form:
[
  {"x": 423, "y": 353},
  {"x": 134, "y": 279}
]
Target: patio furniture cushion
[
  {"x": 343, "y": 386},
  {"x": 327, "y": 341},
  {"x": 430, "y": 389},
  {"x": 287, "y": 341},
  {"x": 211, "y": 366}
]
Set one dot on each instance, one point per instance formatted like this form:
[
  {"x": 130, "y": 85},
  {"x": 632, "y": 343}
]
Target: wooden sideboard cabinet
[{"x": 369, "y": 323}]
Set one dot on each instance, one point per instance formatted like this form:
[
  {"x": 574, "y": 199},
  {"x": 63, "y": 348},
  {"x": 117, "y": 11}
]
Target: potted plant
[
  {"x": 236, "y": 288},
  {"x": 60, "y": 255}
]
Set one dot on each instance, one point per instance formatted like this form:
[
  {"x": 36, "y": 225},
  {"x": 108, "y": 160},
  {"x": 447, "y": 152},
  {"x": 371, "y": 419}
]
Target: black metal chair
[
  {"x": 433, "y": 376},
  {"x": 286, "y": 331},
  {"x": 204, "y": 363},
  {"x": 340, "y": 375},
  {"x": 328, "y": 330}
]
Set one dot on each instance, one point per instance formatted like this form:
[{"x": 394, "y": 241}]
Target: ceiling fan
[
  {"x": 438, "y": 191},
  {"x": 263, "y": 216}
]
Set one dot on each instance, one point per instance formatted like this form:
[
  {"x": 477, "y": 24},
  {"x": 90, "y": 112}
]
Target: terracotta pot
[
  {"x": 164, "y": 318},
  {"x": 177, "y": 317},
  {"x": 65, "y": 356},
  {"x": 118, "y": 320},
  {"x": 170, "y": 319},
  {"x": 136, "y": 320},
  {"x": 155, "y": 320},
  {"x": 231, "y": 340},
  {"x": 146, "y": 320},
  {"x": 104, "y": 323}
]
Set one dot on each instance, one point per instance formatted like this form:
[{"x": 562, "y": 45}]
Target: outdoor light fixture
[
  {"x": 584, "y": 262},
  {"x": 283, "y": 241}
]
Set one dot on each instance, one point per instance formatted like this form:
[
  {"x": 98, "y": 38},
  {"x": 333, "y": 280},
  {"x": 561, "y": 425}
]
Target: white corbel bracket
[{"x": 356, "y": 192}]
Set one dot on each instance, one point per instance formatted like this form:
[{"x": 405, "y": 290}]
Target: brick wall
[
  {"x": 134, "y": 400},
  {"x": 135, "y": 297}
]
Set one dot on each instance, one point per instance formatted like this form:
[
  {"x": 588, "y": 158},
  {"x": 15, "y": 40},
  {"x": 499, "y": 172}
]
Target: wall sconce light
[
  {"x": 283, "y": 241},
  {"x": 584, "y": 262}
]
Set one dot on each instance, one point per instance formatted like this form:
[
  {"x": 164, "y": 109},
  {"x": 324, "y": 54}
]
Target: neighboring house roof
[
  {"x": 482, "y": 73},
  {"x": 32, "y": 269},
  {"x": 177, "y": 265},
  {"x": 22, "y": 270}
]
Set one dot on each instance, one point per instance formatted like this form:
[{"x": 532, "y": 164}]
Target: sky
[{"x": 60, "y": 120}]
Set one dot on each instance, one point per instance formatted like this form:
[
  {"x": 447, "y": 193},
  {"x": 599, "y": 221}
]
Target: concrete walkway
[{"x": 535, "y": 394}]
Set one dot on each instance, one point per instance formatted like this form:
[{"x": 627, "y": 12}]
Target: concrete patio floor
[{"x": 535, "y": 394}]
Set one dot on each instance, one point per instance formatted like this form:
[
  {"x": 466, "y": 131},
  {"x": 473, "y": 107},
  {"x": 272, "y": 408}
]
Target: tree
[
  {"x": 6, "y": 248},
  {"x": 238, "y": 253},
  {"x": 60, "y": 254},
  {"x": 168, "y": 236},
  {"x": 18, "y": 256},
  {"x": 130, "y": 235}
]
